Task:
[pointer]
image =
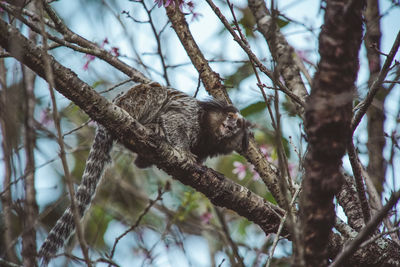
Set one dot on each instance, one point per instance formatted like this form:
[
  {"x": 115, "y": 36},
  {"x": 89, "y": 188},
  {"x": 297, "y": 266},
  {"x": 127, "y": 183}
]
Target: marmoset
[{"x": 200, "y": 128}]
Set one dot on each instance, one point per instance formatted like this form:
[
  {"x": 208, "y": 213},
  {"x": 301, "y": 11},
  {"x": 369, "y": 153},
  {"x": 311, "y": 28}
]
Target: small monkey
[{"x": 200, "y": 128}]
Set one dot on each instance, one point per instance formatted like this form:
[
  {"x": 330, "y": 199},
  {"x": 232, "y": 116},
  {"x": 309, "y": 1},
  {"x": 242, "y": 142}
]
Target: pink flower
[
  {"x": 168, "y": 2},
  {"x": 86, "y": 66},
  {"x": 264, "y": 150},
  {"x": 105, "y": 41},
  {"x": 196, "y": 16},
  {"x": 159, "y": 2},
  {"x": 90, "y": 58},
  {"x": 240, "y": 169},
  {"x": 115, "y": 51},
  {"x": 45, "y": 117},
  {"x": 205, "y": 217},
  {"x": 256, "y": 176},
  {"x": 181, "y": 4}
]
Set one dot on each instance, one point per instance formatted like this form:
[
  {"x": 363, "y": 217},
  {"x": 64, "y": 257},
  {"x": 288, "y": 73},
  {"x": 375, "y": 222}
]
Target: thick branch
[
  {"x": 347, "y": 198},
  {"x": 328, "y": 117},
  {"x": 220, "y": 190}
]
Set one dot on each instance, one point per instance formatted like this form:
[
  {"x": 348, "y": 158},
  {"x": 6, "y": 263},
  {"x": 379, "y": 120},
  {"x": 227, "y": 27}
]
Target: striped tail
[{"x": 99, "y": 157}]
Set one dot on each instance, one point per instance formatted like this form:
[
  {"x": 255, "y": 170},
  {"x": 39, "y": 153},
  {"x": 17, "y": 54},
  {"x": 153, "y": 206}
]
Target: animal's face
[
  {"x": 225, "y": 129},
  {"x": 232, "y": 130}
]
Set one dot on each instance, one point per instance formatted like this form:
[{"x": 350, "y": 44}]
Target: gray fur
[
  {"x": 201, "y": 128},
  {"x": 99, "y": 157}
]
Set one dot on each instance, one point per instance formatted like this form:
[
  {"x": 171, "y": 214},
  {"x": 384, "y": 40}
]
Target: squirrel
[{"x": 200, "y": 128}]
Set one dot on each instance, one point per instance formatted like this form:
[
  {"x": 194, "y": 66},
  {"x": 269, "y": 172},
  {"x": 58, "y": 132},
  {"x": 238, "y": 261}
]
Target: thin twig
[
  {"x": 158, "y": 40},
  {"x": 232, "y": 243},
  {"x": 278, "y": 233},
  {"x": 77, "y": 128},
  {"x": 9, "y": 8},
  {"x": 94, "y": 49},
  {"x": 364, "y": 105},
  {"x": 145, "y": 211},
  {"x": 115, "y": 86},
  {"x": 376, "y": 203},
  {"x": 246, "y": 47}
]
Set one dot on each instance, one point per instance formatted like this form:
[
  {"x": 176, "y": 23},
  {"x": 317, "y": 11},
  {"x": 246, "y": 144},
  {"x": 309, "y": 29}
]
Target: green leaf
[
  {"x": 97, "y": 226},
  {"x": 242, "y": 227},
  {"x": 270, "y": 198},
  {"x": 97, "y": 83},
  {"x": 281, "y": 22},
  {"x": 247, "y": 22},
  {"x": 241, "y": 73},
  {"x": 253, "y": 108}
]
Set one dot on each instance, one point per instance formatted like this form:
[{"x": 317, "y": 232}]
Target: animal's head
[{"x": 226, "y": 126}]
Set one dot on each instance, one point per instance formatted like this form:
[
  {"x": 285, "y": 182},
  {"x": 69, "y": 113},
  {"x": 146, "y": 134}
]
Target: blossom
[
  {"x": 90, "y": 58},
  {"x": 167, "y": 2},
  {"x": 115, "y": 51},
  {"x": 159, "y": 2},
  {"x": 240, "y": 169},
  {"x": 189, "y": 5},
  {"x": 105, "y": 41},
  {"x": 205, "y": 217},
  {"x": 255, "y": 174},
  {"x": 264, "y": 150},
  {"x": 45, "y": 117}
]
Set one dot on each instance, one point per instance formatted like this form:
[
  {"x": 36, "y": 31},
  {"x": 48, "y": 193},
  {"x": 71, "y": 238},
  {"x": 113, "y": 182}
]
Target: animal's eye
[{"x": 231, "y": 116}]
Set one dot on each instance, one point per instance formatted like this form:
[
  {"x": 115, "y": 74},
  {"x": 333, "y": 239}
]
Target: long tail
[{"x": 99, "y": 157}]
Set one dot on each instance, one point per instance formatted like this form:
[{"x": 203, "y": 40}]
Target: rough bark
[
  {"x": 328, "y": 118},
  {"x": 283, "y": 54},
  {"x": 347, "y": 198},
  {"x": 31, "y": 209}
]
